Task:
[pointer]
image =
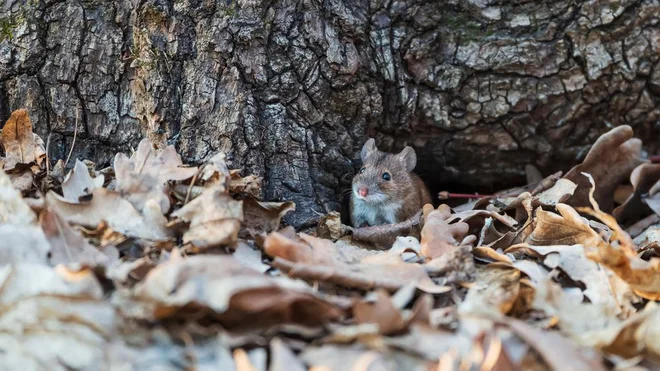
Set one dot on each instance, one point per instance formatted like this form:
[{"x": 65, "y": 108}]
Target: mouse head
[{"x": 384, "y": 177}]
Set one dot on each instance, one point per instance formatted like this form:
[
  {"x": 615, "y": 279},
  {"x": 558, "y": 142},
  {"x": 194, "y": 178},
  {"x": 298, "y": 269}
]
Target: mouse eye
[
  {"x": 387, "y": 176},
  {"x": 362, "y": 170}
]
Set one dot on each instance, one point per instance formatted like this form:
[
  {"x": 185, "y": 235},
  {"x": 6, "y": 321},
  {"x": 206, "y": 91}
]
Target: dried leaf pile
[{"x": 151, "y": 264}]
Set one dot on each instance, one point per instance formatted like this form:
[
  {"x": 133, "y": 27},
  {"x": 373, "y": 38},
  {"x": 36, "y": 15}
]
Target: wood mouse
[{"x": 385, "y": 190}]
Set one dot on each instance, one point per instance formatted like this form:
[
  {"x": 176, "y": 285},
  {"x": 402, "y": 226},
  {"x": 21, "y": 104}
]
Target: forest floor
[{"x": 150, "y": 264}]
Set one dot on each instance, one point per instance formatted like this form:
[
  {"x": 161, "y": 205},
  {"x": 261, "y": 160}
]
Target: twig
[
  {"x": 75, "y": 134},
  {"x": 444, "y": 195},
  {"x": 48, "y": 157},
  {"x": 192, "y": 184}
]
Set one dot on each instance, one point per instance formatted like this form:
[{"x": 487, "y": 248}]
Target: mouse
[{"x": 386, "y": 190}]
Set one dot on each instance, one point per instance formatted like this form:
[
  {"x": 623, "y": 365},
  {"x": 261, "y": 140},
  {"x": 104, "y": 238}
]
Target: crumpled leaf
[
  {"x": 381, "y": 312},
  {"x": 650, "y": 238},
  {"x": 249, "y": 185},
  {"x": 79, "y": 184},
  {"x": 558, "y": 193},
  {"x": 215, "y": 219},
  {"x": 601, "y": 286},
  {"x": 314, "y": 258},
  {"x": 609, "y": 161},
  {"x": 144, "y": 176},
  {"x": 439, "y": 237},
  {"x": 13, "y": 209},
  {"x": 330, "y": 227},
  {"x": 223, "y": 289},
  {"x": 119, "y": 213},
  {"x": 69, "y": 246},
  {"x": 495, "y": 289},
  {"x": 566, "y": 229},
  {"x": 23, "y": 244},
  {"x": 282, "y": 358},
  {"x": 52, "y": 317},
  {"x": 249, "y": 257},
  {"x": 642, "y": 276},
  {"x": 643, "y": 178},
  {"x": 22, "y": 147},
  {"x": 264, "y": 217}
]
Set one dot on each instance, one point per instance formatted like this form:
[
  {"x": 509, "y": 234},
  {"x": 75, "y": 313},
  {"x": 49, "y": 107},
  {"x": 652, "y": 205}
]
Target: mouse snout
[{"x": 363, "y": 191}]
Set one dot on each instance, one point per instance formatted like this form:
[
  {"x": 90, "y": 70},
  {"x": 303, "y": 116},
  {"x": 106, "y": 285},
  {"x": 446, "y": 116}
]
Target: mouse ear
[
  {"x": 409, "y": 158},
  {"x": 368, "y": 148}
]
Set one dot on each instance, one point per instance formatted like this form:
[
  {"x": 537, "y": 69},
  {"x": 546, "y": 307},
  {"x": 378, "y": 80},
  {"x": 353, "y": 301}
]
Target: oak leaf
[
  {"x": 22, "y": 146},
  {"x": 643, "y": 179},
  {"x": 79, "y": 184}
]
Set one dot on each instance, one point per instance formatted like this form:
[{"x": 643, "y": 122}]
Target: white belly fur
[{"x": 375, "y": 214}]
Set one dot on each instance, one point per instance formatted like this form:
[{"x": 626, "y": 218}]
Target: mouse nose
[{"x": 363, "y": 192}]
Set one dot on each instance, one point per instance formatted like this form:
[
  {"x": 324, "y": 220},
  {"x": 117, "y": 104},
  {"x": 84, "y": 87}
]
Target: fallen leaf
[
  {"x": 67, "y": 245},
  {"x": 225, "y": 290},
  {"x": 650, "y": 237},
  {"x": 558, "y": 193},
  {"x": 249, "y": 257},
  {"x": 642, "y": 179},
  {"x": 332, "y": 357},
  {"x": 319, "y": 259},
  {"x": 495, "y": 289},
  {"x": 264, "y": 217},
  {"x": 609, "y": 161},
  {"x": 119, "y": 213},
  {"x": 23, "y": 244},
  {"x": 53, "y": 317},
  {"x": 330, "y": 227},
  {"x": 19, "y": 142},
  {"x": 381, "y": 312},
  {"x": 13, "y": 209},
  {"x": 79, "y": 184},
  {"x": 282, "y": 358},
  {"x": 438, "y": 236},
  {"x": 144, "y": 175},
  {"x": 601, "y": 286},
  {"x": 568, "y": 228},
  {"x": 23, "y": 180},
  {"x": 215, "y": 219},
  {"x": 249, "y": 185}
]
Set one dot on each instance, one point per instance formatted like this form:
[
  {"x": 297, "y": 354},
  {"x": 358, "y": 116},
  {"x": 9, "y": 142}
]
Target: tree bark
[{"x": 291, "y": 89}]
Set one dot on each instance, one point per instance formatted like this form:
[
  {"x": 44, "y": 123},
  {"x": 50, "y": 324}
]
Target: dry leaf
[
  {"x": 249, "y": 185},
  {"x": 223, "y": 289},
  {"x": 282, "y": 358},
  {"x": 610, "y": 161},
  {"x": 330, "y": 227},
  {"x": 144, "y": 176},
  {"x": 23, "y": 244},
  {"x": 67, "y": 245},
  {"x": 320, "y": 259},
  {"x": 642, "y": 178},
  {"x": 264, "y": 217},
  {"x": 566, "y": 229},
  {"x": 249, "y": 257},
  {"x": 495, "y": 290},
  {"x": 120, "y": 214},
  {"x": 215, "y": 219},
  {"x": 53, "y": 318},
  {"x": 19, "y": 142},
  {"x": 601, "y": 286},
  {"x": 79, "y": 184},
  {"x": 13, "y": 209},
  {"x": 438, "y": 236},
  {"x": 381, "y": 312},
  {"x": 560, "y": 192}
]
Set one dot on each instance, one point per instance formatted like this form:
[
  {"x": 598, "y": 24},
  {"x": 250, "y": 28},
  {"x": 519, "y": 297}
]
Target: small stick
[
  {"x": 75, "y": 134},
  {"x": 47, "y": 156},
  {"x": 444, "y": 195}
]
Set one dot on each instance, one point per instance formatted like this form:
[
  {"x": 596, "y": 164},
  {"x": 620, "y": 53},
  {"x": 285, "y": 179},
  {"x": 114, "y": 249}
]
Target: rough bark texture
[{"x": 291, "y": 88}]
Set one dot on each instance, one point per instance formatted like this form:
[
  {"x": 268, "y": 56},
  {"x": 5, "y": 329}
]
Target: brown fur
[{"x": 405, "y": 188}]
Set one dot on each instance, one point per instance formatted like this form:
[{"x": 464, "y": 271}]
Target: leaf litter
[{"x": 154, "y": 264}]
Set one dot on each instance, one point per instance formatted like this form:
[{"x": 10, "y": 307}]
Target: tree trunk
[{"x": 291, "y": 89}]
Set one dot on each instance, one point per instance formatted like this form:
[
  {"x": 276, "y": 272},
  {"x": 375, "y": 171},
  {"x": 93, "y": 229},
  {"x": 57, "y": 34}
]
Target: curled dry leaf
[
  {"x": 643, "y": 178},
  {"x": 264, "y": 217},
  {"x": 330, "y": 227},
  {"x": 119, "y": 213},
  {"x": 13, "y": 209},
  {"x": 52, "y": 317},
  {"x": 69, "y": 246},
  {"x": 249, "y": 185},
  {"x": 225, "y": 290},
  {"x": 438, "y": 236},
  {"x": 381, "y": 312},
  {"x": 609, "y": 161},
  {"x": 495, "y": 290},
  {"x": 144, "y": 176},
  {"x": 215, "y": 219},
  {"x": 642, "y": 276},
  {"x": 79, "y": 184},
  {"x": 558, "y": 193},
  {"x": 318, "y": 259},
  {"x": 566, "y": 229},
  {"x": 602, "y": 287},
  {"x": 21, "y": 146}
]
